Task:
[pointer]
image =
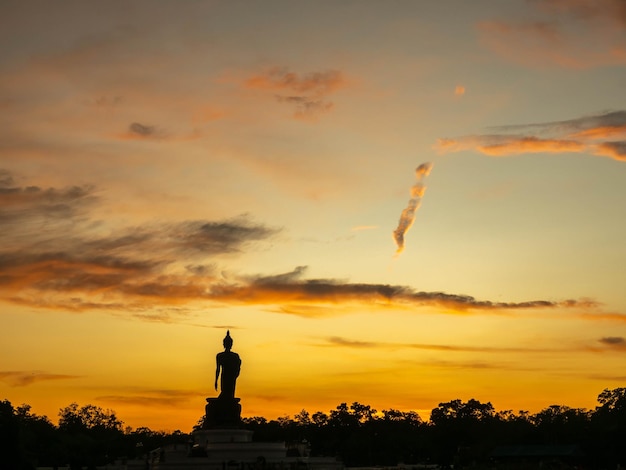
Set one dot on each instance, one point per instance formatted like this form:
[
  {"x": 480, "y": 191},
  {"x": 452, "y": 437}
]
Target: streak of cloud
[
  {"x": 339, "y": 341},
  {"x": 290, "y": 289},
  {"x": 580, "y": 135},
  {"x": 407, "y": 217},
  {"x": 25, "y": 378},
  {"x": 151, "y": 398},
  {"x": 349, "y": 343}
]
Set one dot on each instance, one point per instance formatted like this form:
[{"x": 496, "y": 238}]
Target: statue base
[
  {"x": 222, "y": 413},
  {"x": 235, "y": 445}
]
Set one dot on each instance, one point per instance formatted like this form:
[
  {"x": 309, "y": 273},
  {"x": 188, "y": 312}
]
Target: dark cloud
[
  {"x": 289, "y": 290},
  {"x": 69, "y": 265},
  {"x": 18, "y": 203},
  {"x": 292, "y": 99},
  {"x": 613, "y": 341},
  {"x": 25, "y": 378},
  {"x": 608, "y": 119},
  {"x": 220, "y": 237},
  {"x": 329, "y": 290},
  {"x": 138, "y": 131},
  {"x": 284, "y": 278},
  {"x": 306, "y": 107},
  {"x": 141, "y": 129}
]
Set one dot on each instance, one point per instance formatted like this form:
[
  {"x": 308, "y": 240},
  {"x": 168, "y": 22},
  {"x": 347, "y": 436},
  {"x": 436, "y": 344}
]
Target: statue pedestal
[
  {"x": 228, "y": 445},
  {"x": 222, "y": 440},
  {"x": 222, "y": 413}
]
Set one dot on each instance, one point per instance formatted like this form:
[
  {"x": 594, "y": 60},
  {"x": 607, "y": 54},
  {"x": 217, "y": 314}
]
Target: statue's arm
[{"x": 217, "y": 370}]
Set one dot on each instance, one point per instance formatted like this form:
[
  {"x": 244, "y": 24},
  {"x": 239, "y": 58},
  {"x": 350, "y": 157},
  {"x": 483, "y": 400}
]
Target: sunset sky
[{"x": 170, "y": 170}]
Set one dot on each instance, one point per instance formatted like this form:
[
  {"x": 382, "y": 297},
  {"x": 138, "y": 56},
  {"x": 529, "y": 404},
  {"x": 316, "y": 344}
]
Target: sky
[{"x": 399, "y": 203}]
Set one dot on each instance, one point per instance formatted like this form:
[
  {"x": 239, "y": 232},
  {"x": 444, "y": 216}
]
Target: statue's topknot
[{"x": 228, "y": 341}]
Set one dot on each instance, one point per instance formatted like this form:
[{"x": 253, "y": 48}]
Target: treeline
[
  {"x": 457, "y": 433},
  {"x": 86, "y": 437}
]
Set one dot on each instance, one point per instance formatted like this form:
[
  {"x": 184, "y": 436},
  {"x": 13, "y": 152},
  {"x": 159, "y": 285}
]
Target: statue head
[{"x": 228, "y": 341}]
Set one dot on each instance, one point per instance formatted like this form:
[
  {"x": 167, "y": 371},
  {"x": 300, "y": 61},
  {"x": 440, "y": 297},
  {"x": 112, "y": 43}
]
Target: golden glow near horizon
[{"x": 169, "y": 171}]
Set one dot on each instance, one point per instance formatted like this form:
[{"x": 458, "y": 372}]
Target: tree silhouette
[{"x": 463, "y": 433}]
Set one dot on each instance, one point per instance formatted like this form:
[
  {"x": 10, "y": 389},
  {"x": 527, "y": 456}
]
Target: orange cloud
[
  {"x": 531, "y": 145},
  {"x": 307, "y": 92},
  {"x": 615, "y": 150},
  {"x": 578, "y": 135},
  {"x": 314, "y": 83},
  {"x": 499, "y": 146},
  {"x": 601, "y": 132}
]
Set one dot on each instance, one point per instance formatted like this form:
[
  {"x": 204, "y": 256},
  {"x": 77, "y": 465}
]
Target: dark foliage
[
  {"x": 457, "y": 433},
  {"x": 86, "y": 437}
]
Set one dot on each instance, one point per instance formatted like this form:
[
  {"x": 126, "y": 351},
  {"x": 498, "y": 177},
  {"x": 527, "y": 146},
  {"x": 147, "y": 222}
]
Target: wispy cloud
[
  {"x": 557, "y": 33},
  {"x": 151, "y": 398},
  {"x": 308, "y": 92},
  {"x": 25, "y": 378},
  {"x": 21, "y": 203},
  {"x": 580, "y": 135},
  {"x": 613, "y": 11},
  {"x": 54, "y": 248},
  {"x": 349, "y": 343},
  {"x": 288, "y": 288},
  {"x": 153, "y": 271}
]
